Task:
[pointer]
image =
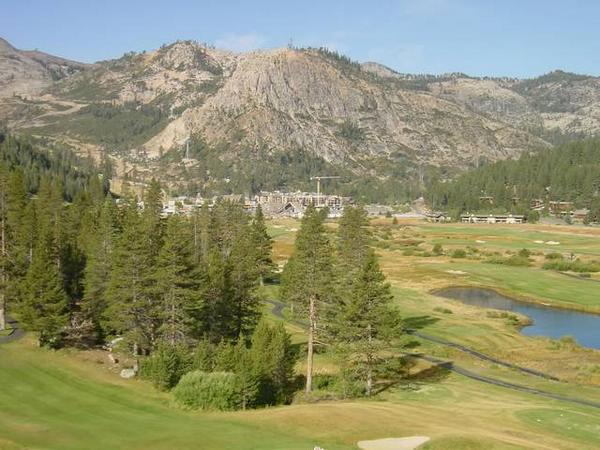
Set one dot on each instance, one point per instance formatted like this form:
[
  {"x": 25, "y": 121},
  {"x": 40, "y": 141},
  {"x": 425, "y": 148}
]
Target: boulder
[{"x": 127, "y": 373}]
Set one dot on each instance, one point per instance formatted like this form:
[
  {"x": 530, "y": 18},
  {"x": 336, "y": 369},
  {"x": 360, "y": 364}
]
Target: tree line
[
  {"x": 335, "y": 285},
  {"x": 570, "y": 172},
  {"x": 182, "y": 293}
]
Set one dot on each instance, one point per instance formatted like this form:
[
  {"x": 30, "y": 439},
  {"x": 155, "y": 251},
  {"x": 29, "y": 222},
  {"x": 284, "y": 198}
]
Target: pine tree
[
  {"x": 262, "y": 243},
  {"x": 132, "y": 306},
  {"x": 308, "y": 280},
  {"x": 101, "y": 244},
  {"x": 215, "y": 320},
  {"x": 45, "y": 307},
  {"x": 200, "y": 233},
  {"x": 353, "y": 238},
  {"x": 247, "y": 383},
  {"x": 244, "y": 303},
  {"x": 4, "y": 257},
  {"x": 353, "y": 242},
  {"x": 273, "y": 362},
  {"x": 176, "y": 280},
  {"x": 367, "y": 321}
]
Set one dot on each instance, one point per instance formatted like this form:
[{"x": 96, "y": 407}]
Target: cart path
[{"x": 277, "y": 311}]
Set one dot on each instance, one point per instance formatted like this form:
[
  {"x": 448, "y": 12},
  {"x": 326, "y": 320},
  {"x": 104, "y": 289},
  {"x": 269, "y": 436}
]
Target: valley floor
[{"x": 72, "y": 400}]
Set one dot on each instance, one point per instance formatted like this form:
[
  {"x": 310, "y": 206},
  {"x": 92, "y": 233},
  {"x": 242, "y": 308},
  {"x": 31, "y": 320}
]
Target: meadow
[{"x": 71, "y": 399}]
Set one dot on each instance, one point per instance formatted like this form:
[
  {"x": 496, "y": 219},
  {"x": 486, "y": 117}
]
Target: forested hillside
[
  {"x": 570, "y": 172},
  {"x": 34, "y": 162}
]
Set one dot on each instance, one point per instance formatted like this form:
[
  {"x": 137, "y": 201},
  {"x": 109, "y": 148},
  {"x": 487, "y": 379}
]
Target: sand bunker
[
  {"x": 538, "y": 242},
  {"x": 480, "y": 242},
  {"x": 456, "y": 272},
  {"x": 406, "y": 443},
  {"x": 552, "y": 242}
]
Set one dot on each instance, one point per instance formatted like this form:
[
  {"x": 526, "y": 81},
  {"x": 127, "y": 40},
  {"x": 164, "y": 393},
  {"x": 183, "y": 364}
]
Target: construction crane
[{"x": 319, "y": 178}]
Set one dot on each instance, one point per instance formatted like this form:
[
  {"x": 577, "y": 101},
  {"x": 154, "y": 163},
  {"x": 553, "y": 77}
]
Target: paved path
[
  {"x": 16, "y": 333},
  {"x": 496, "y": 382},
  {"x": 479, "y": 355},
  {"x": 277, "y": 311}
]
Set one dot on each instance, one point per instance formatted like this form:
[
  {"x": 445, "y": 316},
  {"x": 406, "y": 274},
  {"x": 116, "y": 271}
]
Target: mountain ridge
[{"x": 241, "y": 109}]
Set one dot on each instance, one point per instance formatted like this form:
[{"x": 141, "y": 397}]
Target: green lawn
[
  {"x": 57, "y": 400},
  {"x": 70, "y": 400},
  {"x": 529, "y": 283},
  {"x": 514, "y": 238},
  {"x": 45, "y": 402}
]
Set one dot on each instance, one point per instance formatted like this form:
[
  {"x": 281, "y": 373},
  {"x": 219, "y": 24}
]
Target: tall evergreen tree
[
  {"x": 262, "y": 243},
  {"x": 308, "y": 279},
  {"x": 177, "y": 281},
  {"x": 4, "y": 258},
  {"x": 45, "y": 307},
  {"x": 132, "y": 307},
  {"x": 367, "y": 321},
  {"x": 353, "y": 238},
  {"x": 101, "y": 243}
]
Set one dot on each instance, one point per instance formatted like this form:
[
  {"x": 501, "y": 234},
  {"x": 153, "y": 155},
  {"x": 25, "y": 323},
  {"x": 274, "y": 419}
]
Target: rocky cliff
[{"x": 192, "y": 113}]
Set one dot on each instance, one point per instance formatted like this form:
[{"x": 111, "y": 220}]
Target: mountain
[
  {"x": 211, "y": 120},
  {"x": 25, "y": 72}
]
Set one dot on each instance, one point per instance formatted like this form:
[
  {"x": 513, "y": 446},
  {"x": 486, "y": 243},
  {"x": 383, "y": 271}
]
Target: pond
[{"x": 547, "y": 321}]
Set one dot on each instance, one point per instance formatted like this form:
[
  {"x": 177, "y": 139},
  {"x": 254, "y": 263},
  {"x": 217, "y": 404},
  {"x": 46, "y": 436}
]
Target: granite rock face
[{"x": 367, "y": 119}]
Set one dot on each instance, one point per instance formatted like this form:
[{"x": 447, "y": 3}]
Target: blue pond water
[{"x": 547, "y": 321}]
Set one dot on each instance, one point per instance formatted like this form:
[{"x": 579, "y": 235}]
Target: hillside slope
[{"x": 207, "y": 119}]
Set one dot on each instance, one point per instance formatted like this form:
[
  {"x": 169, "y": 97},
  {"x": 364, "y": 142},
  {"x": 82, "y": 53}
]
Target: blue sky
[{"x": 507, "y": 37}]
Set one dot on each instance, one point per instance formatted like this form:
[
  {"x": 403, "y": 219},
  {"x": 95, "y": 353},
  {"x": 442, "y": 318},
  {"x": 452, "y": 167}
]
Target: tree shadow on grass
[
  {"x": 419, "y": 322},
  {"x": 405, "y": 380}
]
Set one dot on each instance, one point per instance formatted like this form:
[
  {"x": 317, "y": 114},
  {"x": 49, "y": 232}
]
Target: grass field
[
  {"x": 67, "y": 400},
  {"x": 73, "y": 400}
]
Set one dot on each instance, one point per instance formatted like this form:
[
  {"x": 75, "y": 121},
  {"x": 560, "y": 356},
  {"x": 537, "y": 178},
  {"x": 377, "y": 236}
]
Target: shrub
[
  {"x": 554, "y": 255},
  {"x": 208, "y": 391},
  {"x": 459, "y": 253},
  {"x": 524, "y": 253},
  {"x": 514, "y": 260},
  {"x": 572, "y": 266},
  {"x": 438, "y": 249},
  {"x": 442, "y": 310},
  {"x": 165, "y": 366}
]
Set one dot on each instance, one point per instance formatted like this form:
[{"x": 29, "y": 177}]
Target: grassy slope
[
  {"x": 67, "y": 400},
  {"x": 59, "y": 401}
]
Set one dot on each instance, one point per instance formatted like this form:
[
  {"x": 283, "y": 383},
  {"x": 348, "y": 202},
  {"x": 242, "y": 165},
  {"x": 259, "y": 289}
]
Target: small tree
[
  {"x": 165, "y": 367},
  {"x": 273, "y": 359}
]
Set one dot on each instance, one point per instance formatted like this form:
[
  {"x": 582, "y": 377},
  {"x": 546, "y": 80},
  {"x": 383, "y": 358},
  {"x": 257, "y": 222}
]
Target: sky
[{"x": 522, "y": 39}]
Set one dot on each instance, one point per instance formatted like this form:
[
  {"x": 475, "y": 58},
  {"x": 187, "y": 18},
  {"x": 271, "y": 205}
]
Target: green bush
[
  {"x": 514, "y": 260},
  {"x": 524, "y": 253},
  {"x": 438, "y": 249},
  {"x": 554, "y": 255},
  {"x": 208, "y": 391},
  {"x": 442, "y": 310},
  {"x": 459, "y": 253},
  {"x": 572, "y": 266}
]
